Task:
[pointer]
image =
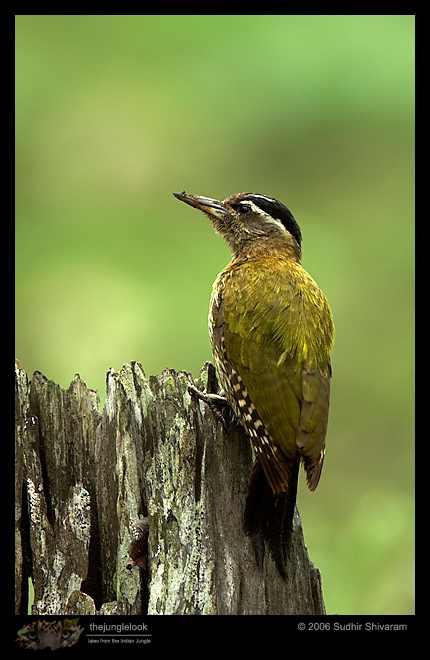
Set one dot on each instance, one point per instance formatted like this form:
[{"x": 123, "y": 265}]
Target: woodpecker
[{"x": 271, "y": 331}]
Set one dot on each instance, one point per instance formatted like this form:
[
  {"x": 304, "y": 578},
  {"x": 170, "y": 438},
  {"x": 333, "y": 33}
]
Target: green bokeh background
[{"x": 114, "y": 113}]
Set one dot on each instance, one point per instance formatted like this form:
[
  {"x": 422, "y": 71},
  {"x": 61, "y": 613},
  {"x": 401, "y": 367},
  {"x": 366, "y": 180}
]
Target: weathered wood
[{"x": 83, "y": 478}]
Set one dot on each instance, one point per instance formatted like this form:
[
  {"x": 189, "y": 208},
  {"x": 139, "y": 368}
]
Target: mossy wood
[{"x": 84, "y": 477}]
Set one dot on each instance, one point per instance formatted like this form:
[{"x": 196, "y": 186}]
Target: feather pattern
[{"x": 272, "y": 363}]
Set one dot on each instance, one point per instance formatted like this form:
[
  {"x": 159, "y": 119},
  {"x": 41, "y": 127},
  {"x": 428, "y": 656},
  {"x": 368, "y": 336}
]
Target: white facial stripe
[
  {"x": 266, "y": 216},
  {"x": 268, "y": 199},
  {"x": 254, "y": 207}
]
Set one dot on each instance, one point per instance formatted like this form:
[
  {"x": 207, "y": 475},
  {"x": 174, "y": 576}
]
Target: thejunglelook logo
[{"x": 49, "y": 634}]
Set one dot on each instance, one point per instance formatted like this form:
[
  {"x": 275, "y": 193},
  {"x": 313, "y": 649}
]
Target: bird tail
[{"x": 269, "y": 517}]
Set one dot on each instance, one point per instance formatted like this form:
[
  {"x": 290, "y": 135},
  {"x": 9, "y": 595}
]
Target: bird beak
[{"x": 210, "y": 206}]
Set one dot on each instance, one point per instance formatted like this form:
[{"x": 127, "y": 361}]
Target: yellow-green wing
[{"x": 264, "y": 329}]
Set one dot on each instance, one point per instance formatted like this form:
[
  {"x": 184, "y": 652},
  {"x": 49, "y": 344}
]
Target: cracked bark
[{"x": 84, "y": 477}]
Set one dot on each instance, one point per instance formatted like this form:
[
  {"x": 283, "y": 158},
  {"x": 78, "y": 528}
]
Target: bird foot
[{"x": 218, "y": 404}]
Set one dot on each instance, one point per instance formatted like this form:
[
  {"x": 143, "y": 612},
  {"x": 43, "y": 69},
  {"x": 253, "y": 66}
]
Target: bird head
[{"x": 250, "y": 223}]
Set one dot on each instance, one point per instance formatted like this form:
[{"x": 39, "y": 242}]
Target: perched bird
[{"x": 271, "y": 331}]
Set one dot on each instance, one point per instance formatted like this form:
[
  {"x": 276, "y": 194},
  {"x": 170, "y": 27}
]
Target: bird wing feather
[{"x": 260, "y": 338}]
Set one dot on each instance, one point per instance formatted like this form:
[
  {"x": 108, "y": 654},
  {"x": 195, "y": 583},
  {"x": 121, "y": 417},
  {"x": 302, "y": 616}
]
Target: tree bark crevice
[{"x": 84, "y": 476}]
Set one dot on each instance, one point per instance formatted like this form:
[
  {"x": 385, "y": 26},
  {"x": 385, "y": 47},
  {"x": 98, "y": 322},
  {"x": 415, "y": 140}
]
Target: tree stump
[{"x": 84, "y": 478}]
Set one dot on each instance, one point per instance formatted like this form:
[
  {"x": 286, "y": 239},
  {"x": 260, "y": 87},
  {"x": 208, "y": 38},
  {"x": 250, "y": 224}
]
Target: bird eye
[{"x": 244, "y": 208}]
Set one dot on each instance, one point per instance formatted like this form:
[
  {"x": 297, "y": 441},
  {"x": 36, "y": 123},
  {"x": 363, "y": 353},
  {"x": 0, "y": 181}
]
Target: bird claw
[{"x": 217, "y": 403}]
